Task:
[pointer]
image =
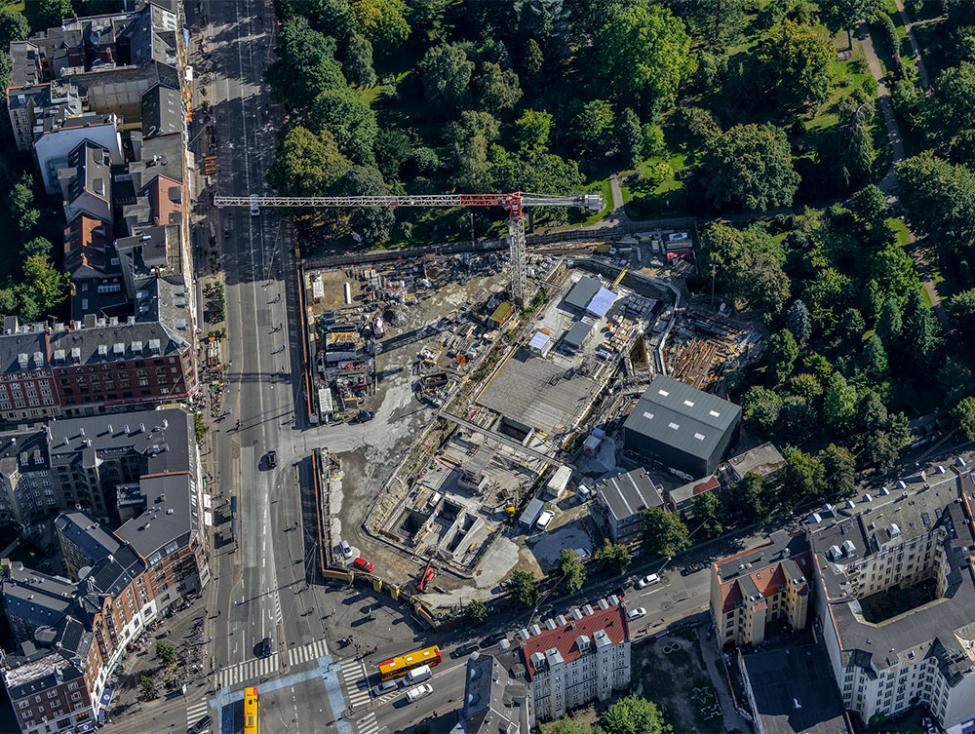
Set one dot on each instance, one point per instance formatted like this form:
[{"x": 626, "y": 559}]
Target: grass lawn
[
  {"x": 901, "y": 232},
  {"x": 643, "y": 199}
]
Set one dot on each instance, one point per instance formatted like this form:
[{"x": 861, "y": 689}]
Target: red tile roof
[
  {"x": 769, "y": 580},
  {"x": 612, "y": 620}
]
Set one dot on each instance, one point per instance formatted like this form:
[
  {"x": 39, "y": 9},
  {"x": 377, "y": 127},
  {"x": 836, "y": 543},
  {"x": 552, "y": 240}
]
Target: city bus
[
  {"x": 251, "y": 711},
  {"x": 402, "y": 664}
]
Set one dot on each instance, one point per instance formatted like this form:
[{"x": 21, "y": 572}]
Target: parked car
[
  {"x": 461, "y": 650},
  {"x": 636, "y": 613},
  {"x": 363, "y": 565},
  {"x": 346, "y": 549},
  {"x": 648, "y": 581},
  {"x": 384, "y": 687},
  {"x": 271, "y": 459},
  {"x": 415, "y": 694}
]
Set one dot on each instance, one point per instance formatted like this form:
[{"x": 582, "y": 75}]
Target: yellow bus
[
  {"x": 251, "y": 711},
  {"x": 402, "y": 664}
]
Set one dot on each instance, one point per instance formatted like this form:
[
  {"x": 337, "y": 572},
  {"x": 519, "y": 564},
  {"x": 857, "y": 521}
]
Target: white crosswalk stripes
[
  {"x": 246, "y": 671},
  {"x": 196, "y": 711},
  {"x": 368, "y": 724},
  {"x": 277, "y": 608},
  {"x": 356, "y": 683},
  {"x": 311, "y": 651}
]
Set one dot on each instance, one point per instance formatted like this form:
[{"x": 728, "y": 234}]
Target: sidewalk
[{"x": 732, "y": 721}]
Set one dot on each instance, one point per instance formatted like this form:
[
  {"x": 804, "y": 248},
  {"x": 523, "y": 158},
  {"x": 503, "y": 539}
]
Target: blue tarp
[{"x": 106, "y": 696}]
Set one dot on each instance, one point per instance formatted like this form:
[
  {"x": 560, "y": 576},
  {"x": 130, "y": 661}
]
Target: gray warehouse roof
[
  {"x": 582, "y": 292},
  {"x": 679, "y": 415},
  {"x": 577, "y": 335},
  {"x": 795, "y": 692},
  {"x": 627, "y": 494}
]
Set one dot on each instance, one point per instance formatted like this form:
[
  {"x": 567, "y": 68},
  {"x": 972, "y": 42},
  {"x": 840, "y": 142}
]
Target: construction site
[{"x": 477, "y": 396}]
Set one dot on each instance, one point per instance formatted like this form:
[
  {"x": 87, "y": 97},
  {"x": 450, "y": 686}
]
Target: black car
[
  {"x": 200, "y": 726},
  {"x": 271, "y": 459},
  {"x": 264, "y": 648},
  {"x": 461, "y": 650}
]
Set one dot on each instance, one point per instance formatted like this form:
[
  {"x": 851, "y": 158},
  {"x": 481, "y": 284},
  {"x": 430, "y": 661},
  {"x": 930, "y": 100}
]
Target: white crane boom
[{"x": 514, "y": 203}]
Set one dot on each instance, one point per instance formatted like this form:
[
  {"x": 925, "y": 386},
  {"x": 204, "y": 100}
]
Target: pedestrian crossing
[
  {"x": 356, "y": 683},
  {"x": 277, "y": 608},
  {"x": 311, "y": 651},
  {"x": 246, "y": 671},
  {"x": 367, "y": 724},
  {"x": 196, "y": 711}
]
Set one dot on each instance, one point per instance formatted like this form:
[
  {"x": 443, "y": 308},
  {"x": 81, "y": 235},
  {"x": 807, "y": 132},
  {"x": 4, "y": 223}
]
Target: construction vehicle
[{"x": 514, "y": 203}]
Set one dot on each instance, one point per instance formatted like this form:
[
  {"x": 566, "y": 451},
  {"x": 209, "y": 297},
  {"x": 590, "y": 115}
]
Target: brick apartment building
[
  {"x": 73, "y": 632},
  {"x": 572, "y": 660}
]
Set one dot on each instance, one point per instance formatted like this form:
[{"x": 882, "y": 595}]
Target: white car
[
  {"x": 418, "y": 692},
  {"x": 347, "y": 551},
  {"x": 648, "y": 581},
  {"x": 255, "y": 209},
  {"x": 636, "y": 613}
]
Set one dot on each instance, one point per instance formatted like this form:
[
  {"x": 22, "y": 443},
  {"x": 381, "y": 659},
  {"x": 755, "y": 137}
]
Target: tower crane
[{"x": 514, "y": 203}]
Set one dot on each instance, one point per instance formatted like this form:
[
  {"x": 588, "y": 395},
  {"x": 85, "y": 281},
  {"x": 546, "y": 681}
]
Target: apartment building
[
  {"x": 760, "y": 586},
  {"x": 28, "y": 492},
  {"x": 574, "y": 659},
  {"x": 83, "y": 541},
  {"x": 623, "y": 499},
  {"x": 101, "y": 364},
  {"x": 494, "y": 702},
  {"x": 78, "y": 631},
  {"x": 924, "y": 656}
]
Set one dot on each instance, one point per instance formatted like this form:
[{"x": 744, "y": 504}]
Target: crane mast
[{"x": 514, "y": 203}]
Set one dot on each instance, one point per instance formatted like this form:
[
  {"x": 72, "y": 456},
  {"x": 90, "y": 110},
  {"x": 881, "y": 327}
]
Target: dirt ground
[{"x": 670, "y": 672}]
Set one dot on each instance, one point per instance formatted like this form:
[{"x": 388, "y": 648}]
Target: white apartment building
[
  {"x": 924, "y": 656},
  {"x": 574, "y": 659}
]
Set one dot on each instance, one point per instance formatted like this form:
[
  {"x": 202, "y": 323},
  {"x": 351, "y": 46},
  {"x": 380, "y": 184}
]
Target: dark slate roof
[
  {"x": 37, "y": 598},
  {"x": 927, "y": 630},
  {"x": 682, "y": 416},
  {"x": 170, "y": 515},
  {"x": 577, "y": 335},
  {"x": 781, "y": 678},
  {"x": 489, "y": 697},
  {"x": 628, "y": 494},
  {"x": 94, "y": 541},
  {"x": 582, "y": 292},
  {"x": 162, "y": 437},
  {"x": 88, "y": 170},
  {"x": 23, "y": 451},
  {"x": 17, "y": 342},
  {"x": 112, "y": 574},
  {"x": 161, "y": 111}
]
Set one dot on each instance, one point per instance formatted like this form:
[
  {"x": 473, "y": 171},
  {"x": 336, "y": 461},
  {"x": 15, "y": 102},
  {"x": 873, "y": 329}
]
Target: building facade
[
  {"x": 576, "y": 659},
  {"x": 759, "y": 586},
  {"x": 924, "y": 656}
]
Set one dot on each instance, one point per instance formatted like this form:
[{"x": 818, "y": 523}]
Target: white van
[
  {"x": 415, "y": 694},
  {"x": 544, "y": 519},
  {"x": 418, "y": 674}
]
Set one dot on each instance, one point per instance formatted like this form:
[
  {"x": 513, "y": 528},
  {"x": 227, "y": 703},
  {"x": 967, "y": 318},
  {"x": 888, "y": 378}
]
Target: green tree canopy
[
  {"x": 839, "y": 472},
  {"x": 633, "y": 715},
  {"x": 523, "y": 588},
  {"x": 839, "y": 402},
  {"x": 964, "y": 415},
  {"x": 794, "y": 64},
  {"x": 469, "y": 141},
  {"x": 940, "y": 201},
  {"x": 572, "y": 570},
  {"x": 446, "y": 73},
  {"x": 760, "y": 409},
  {"x": 798, "y": 321},
  {"x": 616, "y": 556},
  {"x": 664, "y": 533},
  {"x": 532, "y": 131},
  {"x": 592, "y": 128},
  {"x": 307, "y": 164},
  {"x": 781, "y": 354},
  {"x": 645, "y": 54},
  {"x": 748, "y": 498},
  {"x": 707, "y": 512},
  {"x": 749, "y": 166},
  {"x": 476, "y": 611},
  {"x": 305, "y": 65},
  {"x": 801, "y": 476},
  {"x": 350, "y": 120},
  {"x": 498, "y": 89}
]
